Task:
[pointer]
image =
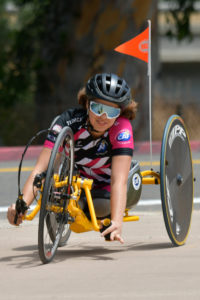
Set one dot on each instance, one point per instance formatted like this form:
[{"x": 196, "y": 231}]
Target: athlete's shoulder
[
  {"x": 121, "y": 123},
  {"x": 121, "y": 133},
  {"x": 73, "y": 115}
]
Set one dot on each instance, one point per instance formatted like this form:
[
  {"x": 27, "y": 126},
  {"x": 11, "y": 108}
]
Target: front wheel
[{"x": 53, "y": 228}]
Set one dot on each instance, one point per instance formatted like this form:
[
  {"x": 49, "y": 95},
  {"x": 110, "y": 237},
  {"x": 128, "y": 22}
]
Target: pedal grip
[
  {"x": 15, "y": 219},
  {"x": 106, "y": 223},
  {"x": 21, "y": 207}
]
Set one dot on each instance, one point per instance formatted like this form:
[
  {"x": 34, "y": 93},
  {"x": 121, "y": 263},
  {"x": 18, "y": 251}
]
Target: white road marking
[{"x": 147, "y": 202}]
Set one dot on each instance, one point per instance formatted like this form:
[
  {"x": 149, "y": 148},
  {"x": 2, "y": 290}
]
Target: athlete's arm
[
  {"x": 119, "y": 176},
  {"x": 28, "y": 196},
  {"x": 41, "y": 166}
]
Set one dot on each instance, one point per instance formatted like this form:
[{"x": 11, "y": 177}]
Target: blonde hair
[{"x": 128, "y": 112}]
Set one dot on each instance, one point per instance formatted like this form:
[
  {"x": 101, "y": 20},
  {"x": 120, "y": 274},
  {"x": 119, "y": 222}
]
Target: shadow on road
[{"x": 30, "y": 257}]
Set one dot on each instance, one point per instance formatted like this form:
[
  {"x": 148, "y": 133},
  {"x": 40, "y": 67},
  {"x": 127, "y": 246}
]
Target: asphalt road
[{"x": 147, "y": 266}]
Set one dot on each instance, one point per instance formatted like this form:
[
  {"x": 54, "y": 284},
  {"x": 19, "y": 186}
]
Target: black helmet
[{"x": 109, "y": 87}]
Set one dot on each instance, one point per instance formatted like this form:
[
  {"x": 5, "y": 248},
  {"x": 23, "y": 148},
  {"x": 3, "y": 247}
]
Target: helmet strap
[{"x": 90, "y": 127}]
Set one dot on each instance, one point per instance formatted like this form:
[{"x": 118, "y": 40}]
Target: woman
[{"x": 103, "y": 147}]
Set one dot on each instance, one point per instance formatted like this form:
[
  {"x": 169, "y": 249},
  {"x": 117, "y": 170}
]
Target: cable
[{"x": 23, "y": 154}]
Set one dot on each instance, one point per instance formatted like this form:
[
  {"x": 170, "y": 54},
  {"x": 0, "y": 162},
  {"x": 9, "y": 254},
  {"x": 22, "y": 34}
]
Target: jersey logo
[
  {"x": 124, "y": 136},
  {"x": 57, "y": 128},
  {"x": 136, "y": 181},
  {"x": 102, "y": 147}
]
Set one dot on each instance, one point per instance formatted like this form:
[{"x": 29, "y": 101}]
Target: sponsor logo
[
  {"x": 176, "y": 131},
  {"x": 136, "y": 181},
  {"x": 57, "y": 128},
  {"x": 116, "y": 123},
  {"x": 51, "y": 138},
  {"x": 102, "y": 147},
  {"x": 74, "y": 120},
  {"x": 124, "y": 136},
  {"x": 143, "y": 46}
]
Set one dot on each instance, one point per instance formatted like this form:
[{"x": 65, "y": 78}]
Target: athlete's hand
[
  {"x": 115, "y": 230},
  {"x": 11, "y": 215}
]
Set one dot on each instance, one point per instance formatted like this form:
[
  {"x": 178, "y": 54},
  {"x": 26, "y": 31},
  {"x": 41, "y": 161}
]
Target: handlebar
[
  {"x": 21, "y": 207},
  {"x": 106, "y": 223}
]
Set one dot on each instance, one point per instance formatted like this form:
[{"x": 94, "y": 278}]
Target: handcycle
[{"x": 60, "y": 189}]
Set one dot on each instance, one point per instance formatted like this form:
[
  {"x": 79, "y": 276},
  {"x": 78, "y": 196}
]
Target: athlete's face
[{"x": 101, "y": 123}]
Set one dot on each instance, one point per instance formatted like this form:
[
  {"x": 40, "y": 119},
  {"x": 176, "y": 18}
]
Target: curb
[{"x": 15, "y": 153}]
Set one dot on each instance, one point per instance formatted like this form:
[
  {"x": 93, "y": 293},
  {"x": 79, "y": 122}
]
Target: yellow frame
[{"x": 81, "y": 222}]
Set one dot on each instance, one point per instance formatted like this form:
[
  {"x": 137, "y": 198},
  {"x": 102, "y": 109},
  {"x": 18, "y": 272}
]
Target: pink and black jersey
[{"x": 93, "y": 156}]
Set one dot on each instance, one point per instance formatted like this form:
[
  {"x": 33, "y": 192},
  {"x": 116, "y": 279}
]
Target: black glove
[
  {"x": 106, "y": 223},
  {"x": 21, "y": 207}
]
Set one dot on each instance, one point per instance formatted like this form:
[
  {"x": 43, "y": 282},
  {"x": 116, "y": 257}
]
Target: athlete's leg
[{"x": 101, "y": 202}]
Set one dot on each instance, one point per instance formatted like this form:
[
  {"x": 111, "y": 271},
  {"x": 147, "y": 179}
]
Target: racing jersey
[{"x": 93, "y": 156}]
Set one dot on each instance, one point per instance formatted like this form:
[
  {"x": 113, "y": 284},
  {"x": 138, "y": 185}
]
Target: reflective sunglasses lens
[
  {"x": 96, "y": 108},
  {"x": 112, "y": 112},
  {"x": 99, "y": 109}
]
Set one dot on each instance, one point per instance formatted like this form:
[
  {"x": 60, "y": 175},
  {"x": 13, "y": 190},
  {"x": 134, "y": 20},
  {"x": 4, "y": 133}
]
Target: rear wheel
[
  {"x": 53, "y": 221},
  {"x": 176, "y": 180}
]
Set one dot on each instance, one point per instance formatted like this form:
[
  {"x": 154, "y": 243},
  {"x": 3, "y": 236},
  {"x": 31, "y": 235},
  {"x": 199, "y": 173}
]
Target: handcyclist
[{"x": 103, "y": 147}]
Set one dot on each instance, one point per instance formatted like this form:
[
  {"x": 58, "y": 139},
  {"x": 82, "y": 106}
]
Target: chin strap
[{"x": 91, "y": 128}]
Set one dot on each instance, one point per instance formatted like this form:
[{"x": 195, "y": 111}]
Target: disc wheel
[
  {"x": 53, "y": 228},
  {"x": 176, "y": 180}
]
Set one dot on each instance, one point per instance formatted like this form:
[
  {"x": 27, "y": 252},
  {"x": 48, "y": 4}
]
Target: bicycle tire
[
  {"x": 49, "y": 233},
  {"x": 52, "y": 224},
  {"x": 176, "y": 180}
]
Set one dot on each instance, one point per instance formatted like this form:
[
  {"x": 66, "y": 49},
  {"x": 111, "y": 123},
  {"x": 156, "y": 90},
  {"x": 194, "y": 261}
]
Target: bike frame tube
[
  {"x": 86, "y": 184},
  {"x": 148, "y": 177},
  {"x": 32, "y": 215}
]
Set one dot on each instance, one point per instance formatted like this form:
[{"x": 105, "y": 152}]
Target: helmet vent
[
  {"x": 99, "y": 83},
  {"x": 117, "y": 90},
  {"x": 109, "y": 87}
]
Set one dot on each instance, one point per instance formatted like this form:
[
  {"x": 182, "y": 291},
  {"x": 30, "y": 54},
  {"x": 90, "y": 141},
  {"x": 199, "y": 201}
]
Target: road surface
[{"x": 147, "y": 266}]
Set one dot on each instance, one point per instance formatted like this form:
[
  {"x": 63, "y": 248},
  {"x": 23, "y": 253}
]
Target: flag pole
[{"x": 149, "y": 75}]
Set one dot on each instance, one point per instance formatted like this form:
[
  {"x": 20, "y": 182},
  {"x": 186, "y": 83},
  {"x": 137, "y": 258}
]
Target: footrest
[{"x": 130, "y": 218}]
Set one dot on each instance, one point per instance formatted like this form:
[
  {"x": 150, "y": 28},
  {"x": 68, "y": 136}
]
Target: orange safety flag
[{"x": 137, "y": 46}]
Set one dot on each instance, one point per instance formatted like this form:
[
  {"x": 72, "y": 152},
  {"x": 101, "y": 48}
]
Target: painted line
[
  {"x": 151, "y": 202},
  {"x": 148, "y": 163},
  {"x": 147, "y": 202},
  {"x": 157, "y": 163},
  {"x": 12, "y": 170},
  {"x": 142, "y": 164}
]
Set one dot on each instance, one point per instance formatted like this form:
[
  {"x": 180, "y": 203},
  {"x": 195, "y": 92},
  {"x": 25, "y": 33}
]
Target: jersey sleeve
[
  {"x": 71, "y": 118},
  {"x": 53, "y": 133},
  {"x": 121, "y": 137}
]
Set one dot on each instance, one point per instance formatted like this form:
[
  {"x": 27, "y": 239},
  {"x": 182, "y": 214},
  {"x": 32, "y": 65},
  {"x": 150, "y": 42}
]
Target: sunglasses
[{"x": 99, "y": 109}]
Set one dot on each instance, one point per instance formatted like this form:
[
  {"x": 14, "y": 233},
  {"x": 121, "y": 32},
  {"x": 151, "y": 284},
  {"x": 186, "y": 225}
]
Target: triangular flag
[{"x": 137, "y": 46}]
